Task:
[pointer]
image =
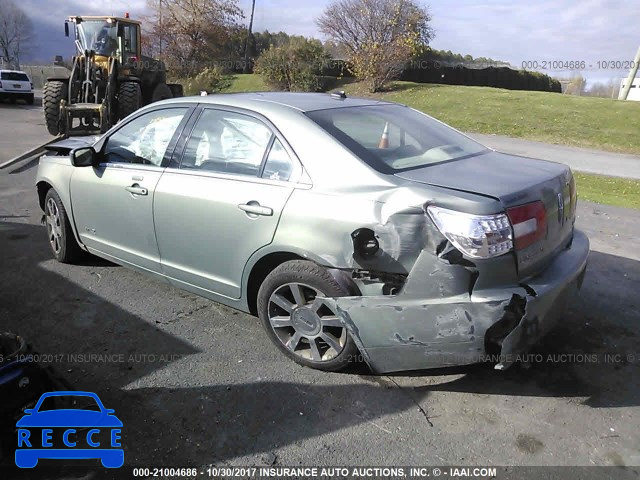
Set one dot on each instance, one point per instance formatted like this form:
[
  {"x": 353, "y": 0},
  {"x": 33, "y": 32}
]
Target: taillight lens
[
  {"x": 477, "y": 236},
  {"x": 529, "y": 223}
]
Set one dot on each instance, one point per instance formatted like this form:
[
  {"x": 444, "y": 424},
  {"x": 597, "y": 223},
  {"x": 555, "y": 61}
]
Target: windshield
[
  {"x": 392, "y": 138},
  {"x": 65, "y": 402},
  {"x": 98, "y": 35}
]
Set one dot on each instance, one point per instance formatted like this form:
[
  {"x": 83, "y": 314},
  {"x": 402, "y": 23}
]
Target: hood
[
  {"x": 63, "y": 147},
  {"x": 69, "y": 418}
]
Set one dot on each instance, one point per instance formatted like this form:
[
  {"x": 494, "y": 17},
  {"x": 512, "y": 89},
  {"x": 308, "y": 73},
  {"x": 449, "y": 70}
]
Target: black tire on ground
[
  {"x": 177, "y": 90},
  {"x": 54, "y": 92},
  {"x": 317, "y": 278},
  {"x": 161, "y": 92},
  {"x": 63, "y": 243},
  {"x": 31, "y": 99},
  {"x": 129, "y": 99}
]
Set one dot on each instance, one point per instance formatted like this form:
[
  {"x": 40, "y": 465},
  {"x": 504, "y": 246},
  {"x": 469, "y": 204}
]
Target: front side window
[
  {"x": 145, "y": 139},
  {"x": 227, "y": 142},
  {"x": 393, "y": 138}
]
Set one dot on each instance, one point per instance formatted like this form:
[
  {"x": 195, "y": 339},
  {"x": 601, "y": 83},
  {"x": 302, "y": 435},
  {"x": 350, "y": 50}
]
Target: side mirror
[
  {"x": 66, "y": 29},
  {"x": 84, "y": 157}
]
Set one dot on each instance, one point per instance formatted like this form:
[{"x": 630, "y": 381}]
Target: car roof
[{"x": 303, "y": 102}]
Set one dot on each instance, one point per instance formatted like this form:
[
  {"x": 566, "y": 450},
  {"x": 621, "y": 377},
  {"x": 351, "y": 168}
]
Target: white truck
[{"x": 16, "y": 85}]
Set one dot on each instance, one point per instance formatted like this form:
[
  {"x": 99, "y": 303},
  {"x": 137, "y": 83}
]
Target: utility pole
[
  {"x": 632, "y": 74},
  {"x": 160, "y": 25},
  {"x": 245, "y": 69}
]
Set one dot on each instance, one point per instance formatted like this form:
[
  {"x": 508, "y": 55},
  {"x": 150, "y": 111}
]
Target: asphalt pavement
[
  {"x": 580, "y": 159},
  {"x": 196, "y": 383}
]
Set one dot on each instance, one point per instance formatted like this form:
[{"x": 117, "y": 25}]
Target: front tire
[
  {"x": 129, "y": 99},
  {"x": 61, "y": 238},
  {"x": 298, "y": 322},
  {"x": 54, "y": 92}
]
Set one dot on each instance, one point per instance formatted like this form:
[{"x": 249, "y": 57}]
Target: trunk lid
[{"x": 514, "y": 181}]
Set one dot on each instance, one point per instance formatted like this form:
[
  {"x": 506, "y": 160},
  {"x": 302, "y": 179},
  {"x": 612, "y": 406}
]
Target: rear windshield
[
  {"x": 393, "y": 138},
  {"x": 14, "y": 76}
]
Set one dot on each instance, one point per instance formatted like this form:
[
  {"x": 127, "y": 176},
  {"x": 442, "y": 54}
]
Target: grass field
[
  {"x": 620, "y": 192},
  {"x": 548, "y": 117}
]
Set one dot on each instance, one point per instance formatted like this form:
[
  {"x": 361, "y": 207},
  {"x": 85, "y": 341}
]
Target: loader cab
[{"x": 108, "y": 37}]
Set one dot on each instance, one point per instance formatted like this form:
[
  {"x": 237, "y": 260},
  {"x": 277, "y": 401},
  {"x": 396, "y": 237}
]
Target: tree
[
  {"x": 380, "y": 36},
  {"x": 193, "y": 33},
  {"x": 16, "y": 32},
  {"x": 294, "y": 66}
]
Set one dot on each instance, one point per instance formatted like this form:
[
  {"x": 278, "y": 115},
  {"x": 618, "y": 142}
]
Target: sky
[{"x": 516, "y": 31}]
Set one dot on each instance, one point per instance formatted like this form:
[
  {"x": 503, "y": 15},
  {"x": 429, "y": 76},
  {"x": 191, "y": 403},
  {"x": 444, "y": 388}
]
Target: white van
[{"x": 16, "y": 85}]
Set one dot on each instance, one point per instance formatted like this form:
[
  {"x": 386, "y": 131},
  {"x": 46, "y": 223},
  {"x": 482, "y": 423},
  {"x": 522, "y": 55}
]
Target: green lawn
[
  {"x": 245, "y": 83},
  {"x": 621, "y": 192},
  {"x": 548, "y": 117}
]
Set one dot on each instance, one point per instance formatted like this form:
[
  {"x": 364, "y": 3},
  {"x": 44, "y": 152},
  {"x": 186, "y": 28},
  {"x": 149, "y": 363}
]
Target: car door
[
  {"x": 223, "y": 201},
  {"x": 113, "y": 202}
]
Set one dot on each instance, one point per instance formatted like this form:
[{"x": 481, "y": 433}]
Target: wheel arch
[
  {"x": 262, "y": 267},
  {"x": 263, "y": 262}
]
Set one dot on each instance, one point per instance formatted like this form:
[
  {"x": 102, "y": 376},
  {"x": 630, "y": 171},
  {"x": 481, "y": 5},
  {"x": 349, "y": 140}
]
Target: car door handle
[
  {"x": 256, "y": 209},
  {"x": 137, "y": 190}
]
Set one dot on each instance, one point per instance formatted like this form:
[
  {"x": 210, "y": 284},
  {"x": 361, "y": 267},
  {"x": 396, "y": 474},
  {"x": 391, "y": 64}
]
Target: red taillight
[{"x": 529, "y": 224}]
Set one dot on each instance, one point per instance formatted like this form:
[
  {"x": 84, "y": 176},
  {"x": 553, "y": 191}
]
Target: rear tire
[
  {"x": 306, "y": 331},
  {"x": 54, "y": 92},
  {"x": 161, "y": 92},
  {"x": 129, "y": 99},
  {"x": 177, "y": 90},
  {"x": 63, "y": 243},
  {"x": 31, "y": 99}
]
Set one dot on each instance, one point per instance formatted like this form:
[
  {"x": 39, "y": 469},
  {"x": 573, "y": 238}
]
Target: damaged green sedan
[{"x": 350, "y": 227}]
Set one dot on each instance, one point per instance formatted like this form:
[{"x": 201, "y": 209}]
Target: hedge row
[
  {"x": 498, "y": 77},
  {"x": 428, "y": 71}
]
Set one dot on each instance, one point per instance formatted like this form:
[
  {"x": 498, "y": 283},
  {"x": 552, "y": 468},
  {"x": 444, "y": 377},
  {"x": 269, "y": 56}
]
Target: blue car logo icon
[{"x": 69, "y": 425}]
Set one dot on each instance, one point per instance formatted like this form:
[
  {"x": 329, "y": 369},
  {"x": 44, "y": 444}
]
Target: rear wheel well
[
  {"x": 260, "y": 271},
  {"x": 43, "y": 189}
]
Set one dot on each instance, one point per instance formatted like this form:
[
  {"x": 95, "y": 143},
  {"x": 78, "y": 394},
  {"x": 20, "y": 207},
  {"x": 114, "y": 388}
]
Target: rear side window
[
  {"x": 14, "y": 76},
  {"x": 279, "y": 165},
  {"x": 227, "y": 142}
]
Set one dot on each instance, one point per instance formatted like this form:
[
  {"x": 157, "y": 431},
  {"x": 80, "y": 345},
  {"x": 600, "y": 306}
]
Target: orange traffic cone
[{"x": 384, "y": 140}]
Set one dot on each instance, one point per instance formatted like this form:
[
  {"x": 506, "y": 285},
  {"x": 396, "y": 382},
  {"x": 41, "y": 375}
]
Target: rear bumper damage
[{"x": 441, "y": 318}]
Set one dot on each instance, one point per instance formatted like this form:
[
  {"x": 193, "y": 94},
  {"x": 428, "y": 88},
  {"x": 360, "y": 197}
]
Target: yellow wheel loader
[{"x": 109, "y": 80}]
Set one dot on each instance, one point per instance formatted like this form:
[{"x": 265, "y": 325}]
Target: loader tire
[
  {"x": 161, "y": 92},
  {"x": 129, "y": 99},
  {"x": 177, "y": 90},
  {"x": 54, "y": 92}
]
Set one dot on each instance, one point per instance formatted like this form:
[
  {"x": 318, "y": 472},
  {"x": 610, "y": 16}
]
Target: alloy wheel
[{"x": 304, "y": 324}]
